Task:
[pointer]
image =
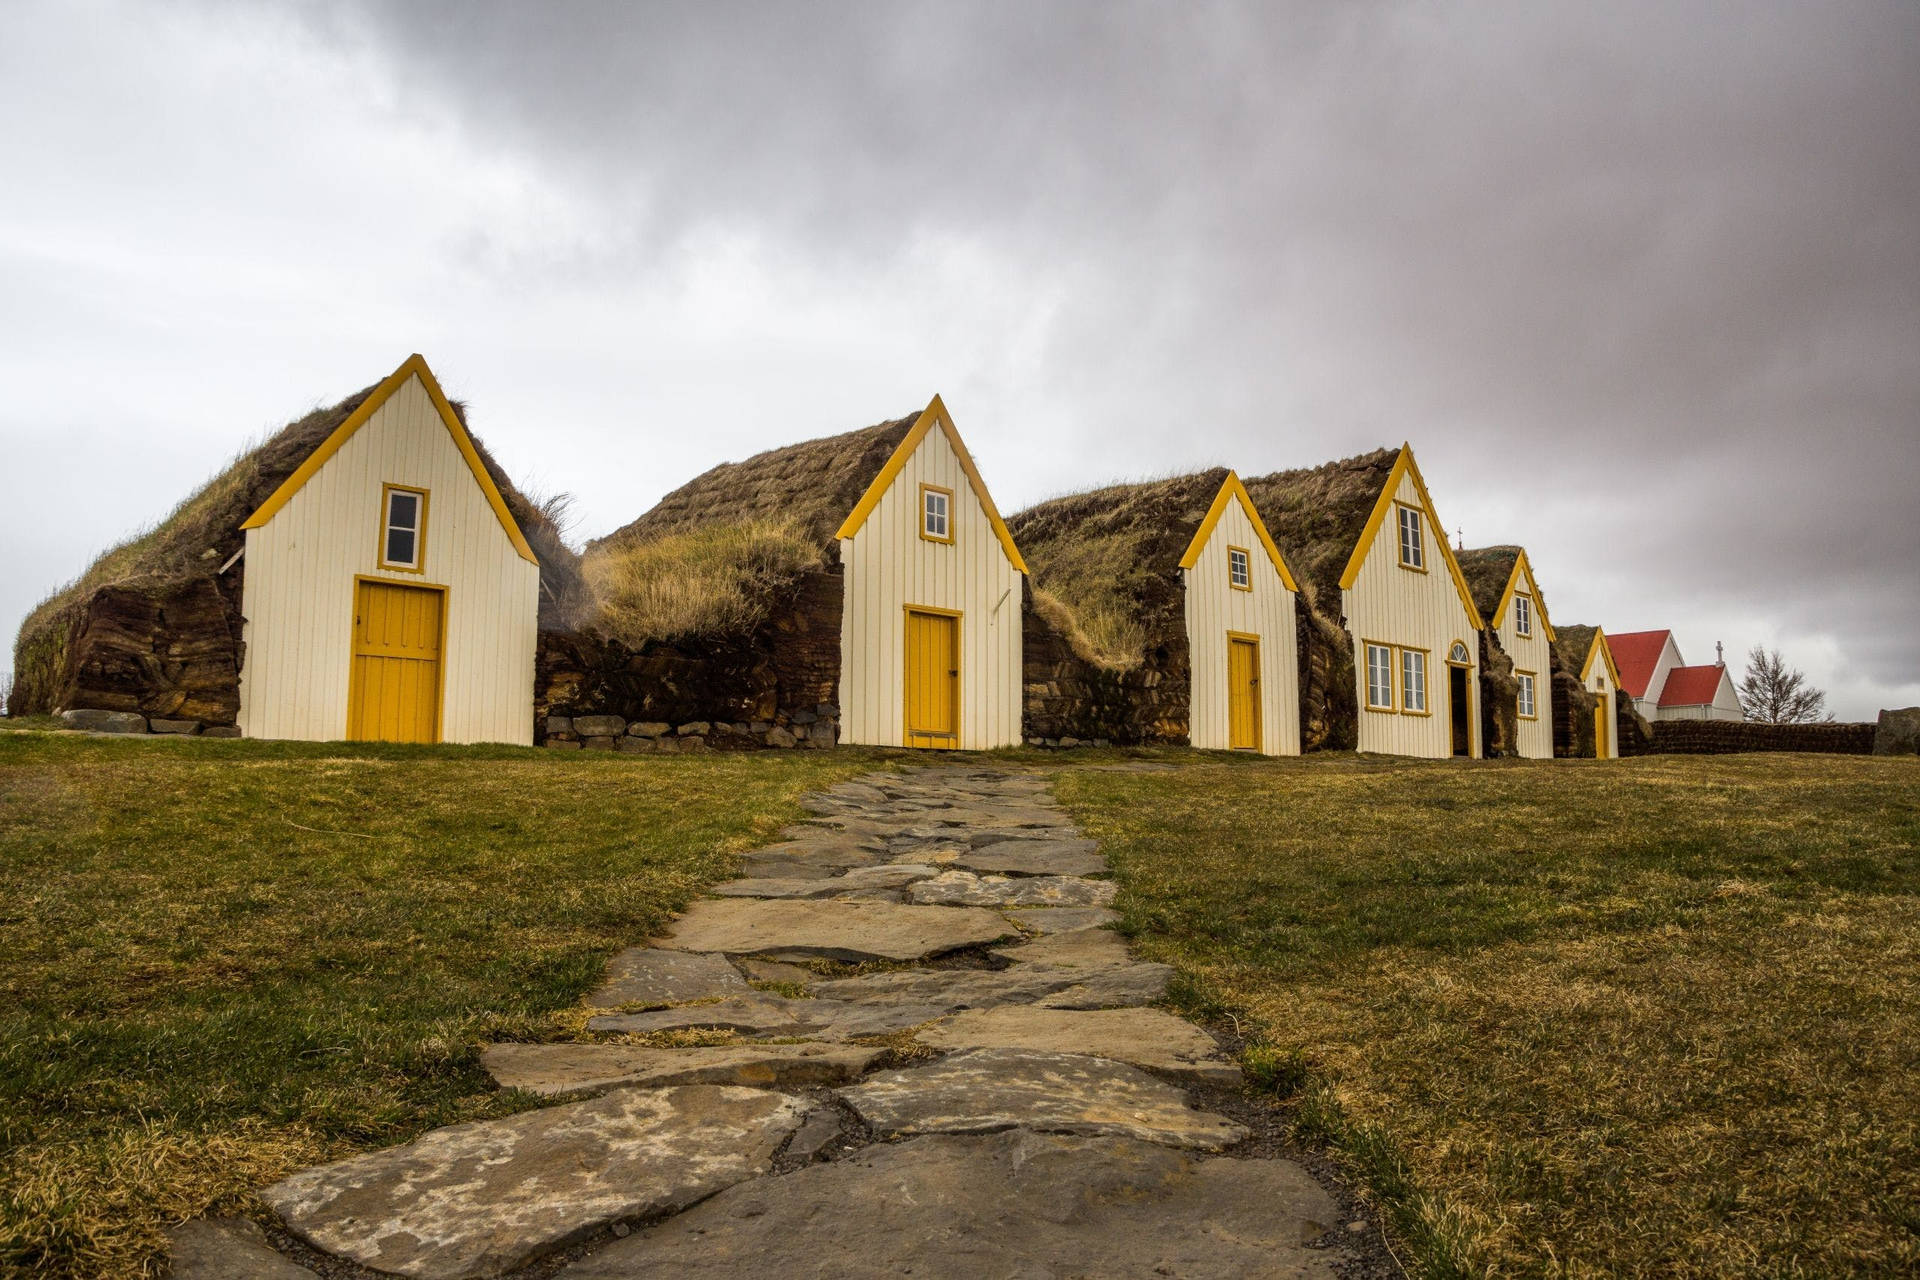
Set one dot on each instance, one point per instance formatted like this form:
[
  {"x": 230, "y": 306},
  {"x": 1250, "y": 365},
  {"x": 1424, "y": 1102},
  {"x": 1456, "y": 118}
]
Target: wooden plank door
[
  {"x": 933, "y": 679},
  {"x": 395, "y": 692},
  {"x": 1243, "y": 693},
  {"x": 1600, "y": 729}
]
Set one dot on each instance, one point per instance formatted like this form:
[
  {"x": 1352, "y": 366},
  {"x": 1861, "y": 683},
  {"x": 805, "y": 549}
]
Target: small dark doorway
[{"x": 1457, "y": 707}]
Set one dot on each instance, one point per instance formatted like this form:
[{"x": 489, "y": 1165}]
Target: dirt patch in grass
[
  {"x": 1656, "y": 1016},
  {"x": 229, "y": 960}
]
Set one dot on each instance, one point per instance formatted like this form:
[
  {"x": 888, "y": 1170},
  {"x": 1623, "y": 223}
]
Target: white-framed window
[
  {"x": 1239, "y": 569},
  {"x": 1380, "y": 677},
  {"x": 403, "y": 527},
  {"x": 1527, "y": 711},
  {"x": 1413, "y": 545},
  {"x": 1413, "y": 681},
  {"x": 936, "y": 513},
  {"x": 1523, "y": 615}
]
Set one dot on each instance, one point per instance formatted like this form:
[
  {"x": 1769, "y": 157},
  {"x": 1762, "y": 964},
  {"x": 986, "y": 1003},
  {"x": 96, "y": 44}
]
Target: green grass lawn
[
  {"x": 1657, "y": 1016},
  {"x": 222, "y": 961}
]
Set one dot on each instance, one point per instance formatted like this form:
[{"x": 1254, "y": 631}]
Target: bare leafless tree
[{"x": 1774, "y": 693}]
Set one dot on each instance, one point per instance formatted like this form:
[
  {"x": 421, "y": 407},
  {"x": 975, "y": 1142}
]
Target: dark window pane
[
  {"x": 399, "y": 546},
  {"x": 403, "y": 510}
]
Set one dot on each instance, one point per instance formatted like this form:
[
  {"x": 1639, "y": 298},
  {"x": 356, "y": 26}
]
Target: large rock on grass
[
  {"x": 93, "y": 721},
  {"x": 228, "y": 1249},
  {"x": 1897, "y": 733},
  {"x": 651, "y": 977},
  {"x": 852, "y": 931},
  {"x": 483, "y": 1198},
  {"x": 992, "y": 1089},
  {"x": 1146, "y": 1038},
  {"x": 1010, "y": 1204},
  {"x": 574, "y": 1068}
]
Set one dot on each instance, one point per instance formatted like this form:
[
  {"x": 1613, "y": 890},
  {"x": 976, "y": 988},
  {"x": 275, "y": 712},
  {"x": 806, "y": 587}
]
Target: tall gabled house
[
  {"x": 1180, "y": 583},
  {"x": 1515, "y": 612},
  {"x": 1369, "y": 545},
  {"x": 1585, "y": 651}
]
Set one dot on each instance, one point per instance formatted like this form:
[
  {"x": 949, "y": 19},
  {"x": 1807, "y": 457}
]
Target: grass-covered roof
[
  {"x": 1487, "y": 571},
  {"x": 1316, "y": 516},
  {"x": 710, "y": 558},
  {"x": 1111, "y": 556},
  {"x": 1573, "y": 642}
]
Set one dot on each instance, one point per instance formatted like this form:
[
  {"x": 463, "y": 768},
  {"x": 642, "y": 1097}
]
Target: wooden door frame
[
  {"x": 353, "y": 644},
  {"x": 1259, "y": 717},
  {"x": 1472, "y": 711},
  {"x": 959, "y": 672},
  {"x": 1603, "y": 727}
]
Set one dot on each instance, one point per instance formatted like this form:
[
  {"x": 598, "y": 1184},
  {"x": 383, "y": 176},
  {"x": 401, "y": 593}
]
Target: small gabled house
[
  {"x": 1366, "y": 541},
  {"x": 1664, "y": 687},
  {"x": 1181, "y": 586},
  {"x": 876, "y": 598},
  {"x": 1515, "y": 612},
  {"x": 368, "y": 572},
  {"x": 1584, "y": 651}
]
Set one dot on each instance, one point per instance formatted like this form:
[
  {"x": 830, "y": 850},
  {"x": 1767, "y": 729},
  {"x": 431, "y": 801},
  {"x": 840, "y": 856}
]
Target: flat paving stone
[
  {"x": 777, "y": 971},
  {"x": 984, "y": 1090},
  {"x": 886, "y": 876},
  {"x": 1085, "y": 949},
  {"x": 964, "y": 889},
  {"x": 836, "y": 930},
  {"x": 482, "y": 1198},
  {"x": 1136, "y": 984},
  {"x": 1014, "y": 1204},
  {"x": 648, "y": 976},
  {"x": 229, "y": 1249},
  {"x": 806, "y": 859},
  {"x": 1035, "y": 858},
  {"x": 574, "y": 1068},
  {"x": 1063, "y": 919},
  {"x": 1149, "y": 1038},
  {"x": 756, "y": 1014},
  {"x": 952, "y": 989}
]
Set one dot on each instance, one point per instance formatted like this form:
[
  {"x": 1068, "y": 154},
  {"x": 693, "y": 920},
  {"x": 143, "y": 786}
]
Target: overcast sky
[{"x": 1641, "y": 283}]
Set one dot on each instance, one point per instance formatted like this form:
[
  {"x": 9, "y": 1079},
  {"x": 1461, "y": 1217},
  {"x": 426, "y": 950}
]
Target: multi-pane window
[
  {"x": 404, "y": 529},
  {"x": 1239, "y": 568},
  {"x": 1380, "y": 677},
  {"x": 1523, "y": 615},
  {"x": 936, "y": 514},
  {"x": 1526, "y": 696},
  {"x": 1413, "y": 680},
  {"x": 1413, "y": 546}
]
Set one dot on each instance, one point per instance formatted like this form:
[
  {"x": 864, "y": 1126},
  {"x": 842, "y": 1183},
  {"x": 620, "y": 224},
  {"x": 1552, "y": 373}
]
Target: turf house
[
  {"x": 1396, "y": 619},
  {"x": 367, "y": 572},
  {"x": 1178, "y": 584},
  {"x": 1515, "y": 614},
  {"x": 860, "y": 588},
  {"x": 1591, "y": 725}
]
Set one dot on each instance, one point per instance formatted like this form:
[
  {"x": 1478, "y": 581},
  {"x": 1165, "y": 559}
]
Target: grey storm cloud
[{"x": 1641, "y": 282}]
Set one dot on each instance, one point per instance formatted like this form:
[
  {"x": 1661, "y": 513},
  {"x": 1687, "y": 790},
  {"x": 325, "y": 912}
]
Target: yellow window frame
[
  {"x": 1366, "y": 677},
  {"x": 1426, "y": 678},
  {"x": 946, "y": 493},
  {"x": 1533, "y": 681},
  {"x": 1399, "y": 542},
  {"x": 419, "y": 564},
  {"x": 1246, "y": 556}
]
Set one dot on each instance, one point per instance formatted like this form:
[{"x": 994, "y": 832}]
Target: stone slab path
[{"x": 922, "y": 1052}]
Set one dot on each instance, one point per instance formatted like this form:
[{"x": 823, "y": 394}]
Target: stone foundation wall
[
  {"x": 1071, "y": 701},
  {"x": 1499, "y": 700},
  {"x": 1574, "y": 708},
  {"x": 773, "y": 688},
  {"x": 1329, "y": 697},
  {"x": 1719, "y": 737}
]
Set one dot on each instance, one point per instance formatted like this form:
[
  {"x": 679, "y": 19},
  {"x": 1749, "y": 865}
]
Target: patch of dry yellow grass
[{"x": 712, "y": 581}]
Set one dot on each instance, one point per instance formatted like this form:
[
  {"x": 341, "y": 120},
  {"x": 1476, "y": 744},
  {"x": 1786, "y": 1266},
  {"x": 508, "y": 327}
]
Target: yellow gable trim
[
  {"x": 935, "y": 413},
  {"x": 1600, "y": 648},
  {"x": 415, "y": 366},
  {"x": 1232, "y": 490},
  {"x": 1404, "y": 466},
  {"x": 1522, "y": 565}
]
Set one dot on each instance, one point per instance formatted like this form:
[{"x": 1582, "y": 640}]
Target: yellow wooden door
[
  {"x": 1600, "y": 729},
  {"x": 395, "y": 694},
  {"x": 933, "y": 679},
  {"x": 1243, "y": 694}
]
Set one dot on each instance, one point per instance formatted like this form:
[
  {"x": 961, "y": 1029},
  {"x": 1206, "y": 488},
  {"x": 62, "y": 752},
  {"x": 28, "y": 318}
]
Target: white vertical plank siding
[
  {"x": 299, "y": 588},
  {"x": 1600, "y": 683},
  {"x": 1213, "y": 608},
  {"x": 889, "y": 566},
  {"x": 1391, "y": 605},
  {"x": 1531, "y": 653}
]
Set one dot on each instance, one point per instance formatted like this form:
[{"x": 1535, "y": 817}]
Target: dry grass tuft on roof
[
  {"x": 1110, "y": 559},
  {"x": 712, "y": 557},
  {"x": 1573, "y": 642},
  {"x": 1317, "y": 514},
  {"x": 1487, "y": 571},
  {"x": 717, "y": 580},
  {"x": 203, "y": 532}
]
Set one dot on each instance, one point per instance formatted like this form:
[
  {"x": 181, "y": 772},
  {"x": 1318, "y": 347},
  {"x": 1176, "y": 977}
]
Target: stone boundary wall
[
  {"x": 1071, "y": 701},
  {"x": 1719, "y": 737}
]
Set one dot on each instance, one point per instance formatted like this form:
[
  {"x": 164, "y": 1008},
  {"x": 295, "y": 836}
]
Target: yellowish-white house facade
[
  {"x": 1526, "y": 635},
  {"x": 1241, "y": 636},
  {"x": 1414, "y": 626},
  {"x": 930, "y": 638},
  {"x": 1600, "y": 677},
  {"x": 388, "y": 593}
]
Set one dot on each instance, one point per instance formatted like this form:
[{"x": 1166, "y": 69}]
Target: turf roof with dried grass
[
  {"x": 1573, "y": 641},
  {"x": 1487, "y": 571},
  {"x": 1110, "y": 558},
  {"x": 1317, "y": 514}
]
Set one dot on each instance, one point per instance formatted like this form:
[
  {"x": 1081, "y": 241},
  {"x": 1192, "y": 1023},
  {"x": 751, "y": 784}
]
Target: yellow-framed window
[
  {"x": 936, "y": 513},
  {"x": 1413, "y": 538},
  {"x": 1239, "y": 569},
  {"x": 1379, "y": 677},
  {"x": 1523, "y": 615},
  {"x": 1529, "y": 709},
  {"x": 1413, "y": 681},
  {"x": 403, "y": 528}
]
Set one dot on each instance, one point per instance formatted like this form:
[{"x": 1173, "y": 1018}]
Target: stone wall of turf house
[
  {"x": 1720, "y": 737},
  {"x": 1069, "y": 700},
  {"x": 1329, "y": 699},
  {"x": 1499, "y": 700},
  {"x": 773, "y": 688},
  {"x": 1573, "y": 711}
]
